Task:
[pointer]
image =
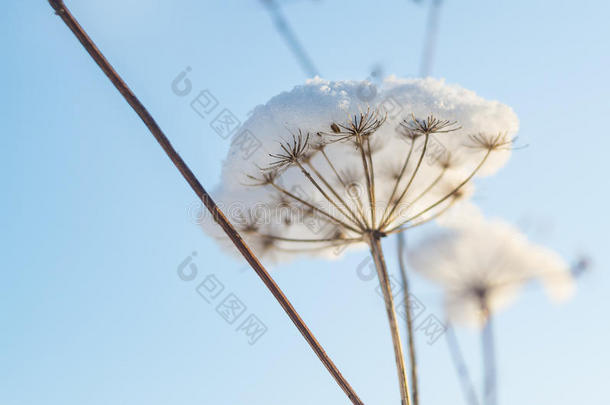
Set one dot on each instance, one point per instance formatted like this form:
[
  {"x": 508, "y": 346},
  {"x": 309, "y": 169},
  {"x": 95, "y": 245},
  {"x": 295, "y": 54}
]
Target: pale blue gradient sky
[{"x": 94, "y": 217}]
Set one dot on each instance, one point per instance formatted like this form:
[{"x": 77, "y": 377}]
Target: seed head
[
  {"x": 488, "y": 142},
  {"x": 361, "y": 125},
  {"x": 293, "y": 151},
  {"x": 265, "y": 177},
  {"x": 414, "y": 127}
]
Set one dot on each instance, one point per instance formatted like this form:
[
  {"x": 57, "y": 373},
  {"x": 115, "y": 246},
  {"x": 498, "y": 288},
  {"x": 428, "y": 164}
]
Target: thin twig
[
  {"x": 444, "y": 198},
  {"x": 397, "y": 182},
  {"x": 313, "y": 207},
  {"x": 355, "y": 199},
  {"x": 62, "y": 11},
  {"x": 286, "y": 31},
  {"x": 304, "y": 240},
  {"x": 430, "y": 38},
  {"x": 313, "y": 181},
  {"x": 342, "y": 202},
  {"x": 369, "y": 156},
  {"x": 460, "y": 366},
  {"x": 489, "y": 362},
  {"x": 409, "y": 312},
  {"x": 437, "y": 214},
  {"x": 404, "y": 192},
  {"x": 367, "y": 175}
]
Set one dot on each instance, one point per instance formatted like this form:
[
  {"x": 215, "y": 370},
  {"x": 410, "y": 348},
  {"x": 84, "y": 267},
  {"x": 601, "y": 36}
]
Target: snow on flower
[
  {"x": 483, "y": 264},
  {"x": 332, "y": 169}
]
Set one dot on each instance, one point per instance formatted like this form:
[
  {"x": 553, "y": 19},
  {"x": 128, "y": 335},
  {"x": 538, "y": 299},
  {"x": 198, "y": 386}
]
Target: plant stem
[
  {"x": 489, "y": 362},
  {"x": 367, "y": 175},
  {"x": 384, "y": 282},
  {"x": 409, "y": 312},
  {"x": 62, "y": 11},
  {"x": 460, "y": 366}
]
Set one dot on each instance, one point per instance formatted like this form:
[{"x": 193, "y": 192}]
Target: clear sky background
[{"x": 95, "y": 220}]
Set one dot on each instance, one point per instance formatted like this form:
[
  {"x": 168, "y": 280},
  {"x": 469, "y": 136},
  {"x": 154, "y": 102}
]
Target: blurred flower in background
[{"x": 483, "y": 264}]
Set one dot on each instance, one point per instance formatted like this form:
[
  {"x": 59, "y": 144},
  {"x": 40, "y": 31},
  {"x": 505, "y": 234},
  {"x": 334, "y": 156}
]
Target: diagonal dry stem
[{"x": 62, "y": 11}]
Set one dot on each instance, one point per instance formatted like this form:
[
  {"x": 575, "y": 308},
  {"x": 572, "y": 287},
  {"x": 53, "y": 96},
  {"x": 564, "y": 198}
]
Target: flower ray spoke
[
  {"x": 404, "y": 192},
  {"x": 314, "y": 208}
]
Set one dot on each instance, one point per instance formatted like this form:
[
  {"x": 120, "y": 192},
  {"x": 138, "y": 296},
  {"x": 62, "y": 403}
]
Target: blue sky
[{"x": 95, "y": 220}]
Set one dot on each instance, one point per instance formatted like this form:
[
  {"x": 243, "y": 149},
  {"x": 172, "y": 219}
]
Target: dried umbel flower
[
  {"x": 335, "y": 176},
  {"x": 482, "y": 265},
  {"x": 292, "y": 152},
  {"x": 415, "y": 127},
  {"x": 328, "y": 154}
]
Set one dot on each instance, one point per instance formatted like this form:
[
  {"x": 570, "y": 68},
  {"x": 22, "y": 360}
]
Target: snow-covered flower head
[
  {"x": 482, "y": 265},
  {"x": 331, "y": 169}
]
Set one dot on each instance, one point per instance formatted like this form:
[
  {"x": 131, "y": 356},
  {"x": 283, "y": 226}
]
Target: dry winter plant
[
  {"x": 219, "y": 217},
  {"x": 481, "y": 266},
  {"x": 336, "y": 173}
]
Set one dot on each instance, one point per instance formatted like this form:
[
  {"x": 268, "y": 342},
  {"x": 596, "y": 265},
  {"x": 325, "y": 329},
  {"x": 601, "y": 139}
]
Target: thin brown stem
[
  {"x": 367, "y": 175},
  {"x": 62, "y": 11},
  {"x": 324, "y": 193},
  {"x": 384, "y": 282},
  {"x": 313, "y": 207},
  {"x": 430, "y": 187},
  {"x": 452, "y": 193},
  {"x": 312, "y": 248},
  {"x": 398, "y": 180},
  {"x": 403, "y": 227},
  {"x": 369, "y": 156},
  {"x": 421, "y": 195},
  {"x": 404, "y": 192},
  {"x": 355, "y": 199},
  {"x": 352, "y": 214},
  {"x": 281, "y": 238},
  {"x": 409, "y": 313}
]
